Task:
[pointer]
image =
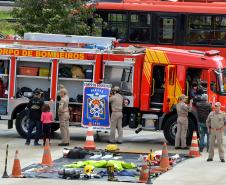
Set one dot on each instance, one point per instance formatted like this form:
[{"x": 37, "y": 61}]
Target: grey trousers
[
  {"x": 216, "y": 135},
  {"x": 64, "y": 127},
  {"x": 182, "y": 128},
  {"x": 116, "y": 123}
]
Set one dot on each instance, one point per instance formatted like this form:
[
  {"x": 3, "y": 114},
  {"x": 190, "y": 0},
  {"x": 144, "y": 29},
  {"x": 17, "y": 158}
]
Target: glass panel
[
  {"x": 116, "y": 26},
  {"x": 140, "y": 19},
  {"x": 139, "y": 34},
  {"x": 167, "y": 30},
  {"x": 199, "y": 22},
  {"x": 119, "y": 76}
]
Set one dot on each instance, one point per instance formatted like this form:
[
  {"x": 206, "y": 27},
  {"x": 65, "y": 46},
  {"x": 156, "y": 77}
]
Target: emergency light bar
[{"x": 212, "y": 52}]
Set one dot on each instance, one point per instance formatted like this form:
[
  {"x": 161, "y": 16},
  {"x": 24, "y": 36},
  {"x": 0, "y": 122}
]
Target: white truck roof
[{"x": 105, "y": 42}]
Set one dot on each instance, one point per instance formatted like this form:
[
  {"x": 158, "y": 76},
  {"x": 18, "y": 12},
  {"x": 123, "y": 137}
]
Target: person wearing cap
[
  {"x": 215, "y": 124},
  {"x": 203, "y": 109},
  {"x": 64, "y": 116},
  {"x": 35, "y": 110},
  {"x": 116, "y": 101},
  {"x": 182, "y": 122}
]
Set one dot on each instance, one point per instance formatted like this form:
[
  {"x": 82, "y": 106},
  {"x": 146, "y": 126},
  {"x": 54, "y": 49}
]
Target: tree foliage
[{"x": 56, "y": 16}]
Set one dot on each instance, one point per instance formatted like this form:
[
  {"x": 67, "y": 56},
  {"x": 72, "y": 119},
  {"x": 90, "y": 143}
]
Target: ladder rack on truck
[{"x": 150, "y": 79}]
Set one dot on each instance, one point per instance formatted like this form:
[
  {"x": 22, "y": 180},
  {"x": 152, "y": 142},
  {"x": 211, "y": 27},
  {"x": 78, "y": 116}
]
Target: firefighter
[
  {"x": 182, "y": 122},
  {"x": 63, "y": 113},
  {"x": 116, "y": 101},
  {"x": 35, "y": 110},
  {"x": 215, "y": 124}
]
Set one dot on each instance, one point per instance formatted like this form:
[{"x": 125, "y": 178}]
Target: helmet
[
  {"x": 88, "y": 169},
  {"x": 112, "y": 147}
]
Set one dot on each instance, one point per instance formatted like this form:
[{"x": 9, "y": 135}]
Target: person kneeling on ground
[
  {"x": 215, "y": 124},
  {"x": 35, "y": 110},
  {"x": 47, "y": 120},
  {"x": 203, "y": 110},
  {"x": 182, "y": 122}
]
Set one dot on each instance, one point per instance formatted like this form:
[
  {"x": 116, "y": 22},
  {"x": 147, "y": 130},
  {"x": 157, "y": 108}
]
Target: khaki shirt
[
  {"x": 116, "y": 102},
  {"x": 216, "y": 120},
  {"x": 183, "y": 109},
  {"x": 63, "y": 105}
]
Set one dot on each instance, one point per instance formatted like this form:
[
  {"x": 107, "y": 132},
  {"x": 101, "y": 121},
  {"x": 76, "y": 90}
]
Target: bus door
[
  {"x": 167, "y": 31},
  {"x": 170, "y": 84}
]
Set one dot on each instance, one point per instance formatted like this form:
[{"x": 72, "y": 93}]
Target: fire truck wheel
[
  {"x": 170, "y": 129},
  {"x": 55, "y": 127},
  {"x": 22, "y": 122}
]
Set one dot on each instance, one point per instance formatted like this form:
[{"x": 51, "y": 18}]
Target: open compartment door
[
  {"x": 170, "y": 84},
  {"x": 147, "y": 86}
]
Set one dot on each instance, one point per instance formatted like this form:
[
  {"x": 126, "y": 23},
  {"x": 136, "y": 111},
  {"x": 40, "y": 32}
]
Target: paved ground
[{"x": 193, "y": 171}]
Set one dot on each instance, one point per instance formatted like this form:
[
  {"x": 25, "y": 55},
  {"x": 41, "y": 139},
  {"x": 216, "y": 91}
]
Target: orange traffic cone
[
  {"x": 144, "y": 174},
  {"x": 89, "y": 144},
  {"x": 194, "y": 149},
  {"x": 16, "y": 172},
  {"x": 164, "y": 161},
  {"x": 46, "y": 158}
]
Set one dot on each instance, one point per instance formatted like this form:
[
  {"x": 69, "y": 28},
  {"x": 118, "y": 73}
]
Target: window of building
[
  {"x": 167, "y": 30},
  {"x": 207, "y": 30},
  {"x": 115, "y": 26},
  {"x": 140, "y": 27}
]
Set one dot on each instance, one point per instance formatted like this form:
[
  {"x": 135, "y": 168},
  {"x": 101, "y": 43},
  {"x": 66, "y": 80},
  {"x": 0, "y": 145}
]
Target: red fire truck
[{"x": 150, "y": 79}]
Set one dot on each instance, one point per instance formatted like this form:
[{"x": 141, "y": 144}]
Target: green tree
[{"x": 56, "y": 16}]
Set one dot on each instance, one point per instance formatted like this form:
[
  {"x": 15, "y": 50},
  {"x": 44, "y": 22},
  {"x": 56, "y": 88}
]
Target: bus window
[
  {"x": 219, "y": 30},
  {"x": 140, "y": 27},
  {"x": 199, "y": 29},
  {"x": 167, "y": 30},
  {"x": 115, "y": 26}
]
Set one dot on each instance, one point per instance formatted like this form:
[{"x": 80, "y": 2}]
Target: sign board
[
  {"x": 96, "y": 105},
  {"x": 43, "y": 54}
]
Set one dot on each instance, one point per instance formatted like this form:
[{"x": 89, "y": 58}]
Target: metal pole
[{"x": 5, "y": 174}]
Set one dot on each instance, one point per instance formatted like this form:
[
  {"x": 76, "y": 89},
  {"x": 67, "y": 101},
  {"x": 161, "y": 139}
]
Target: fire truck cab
[{"x": 150, "y": 79}]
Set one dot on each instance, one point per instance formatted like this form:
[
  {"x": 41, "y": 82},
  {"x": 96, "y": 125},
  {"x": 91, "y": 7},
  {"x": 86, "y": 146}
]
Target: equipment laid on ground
[
  {"x": 111, "y": 172},
  {"x": 5, "y": 174},
  {"x": 66, "y": 173}
]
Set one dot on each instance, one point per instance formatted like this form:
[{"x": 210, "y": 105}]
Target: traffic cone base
[
  {"x": 16, "y": 172},
  {"x": 194, "y": 149},
  {"x": 47, "y": 158},
  {"x": 89, "y": 144}
]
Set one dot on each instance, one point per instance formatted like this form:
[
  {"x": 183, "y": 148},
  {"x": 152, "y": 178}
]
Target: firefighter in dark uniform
[
  {"x": 35, "y": 110},
  {"x": 116, "y": 101}
]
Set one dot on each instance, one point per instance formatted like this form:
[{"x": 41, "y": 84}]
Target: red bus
[{"x": 185, "y": 25}]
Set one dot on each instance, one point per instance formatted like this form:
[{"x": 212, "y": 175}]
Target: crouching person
[{"x": 215, "y": 124}]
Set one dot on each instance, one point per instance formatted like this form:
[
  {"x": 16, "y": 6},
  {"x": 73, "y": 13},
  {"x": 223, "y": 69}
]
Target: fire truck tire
[
  {"x": 169, "y": 129},
  {"x": 55, "y": 127},
  {"x": 22, "y": 122}
]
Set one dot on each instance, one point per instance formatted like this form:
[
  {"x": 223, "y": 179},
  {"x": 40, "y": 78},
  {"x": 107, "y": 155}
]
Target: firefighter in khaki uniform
[
  {"x": 182, "y": 122},
  {"x": 215, "y": 124},
  {"x": 116, "y": 101},
  {"x": 64, "y": 117}
]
